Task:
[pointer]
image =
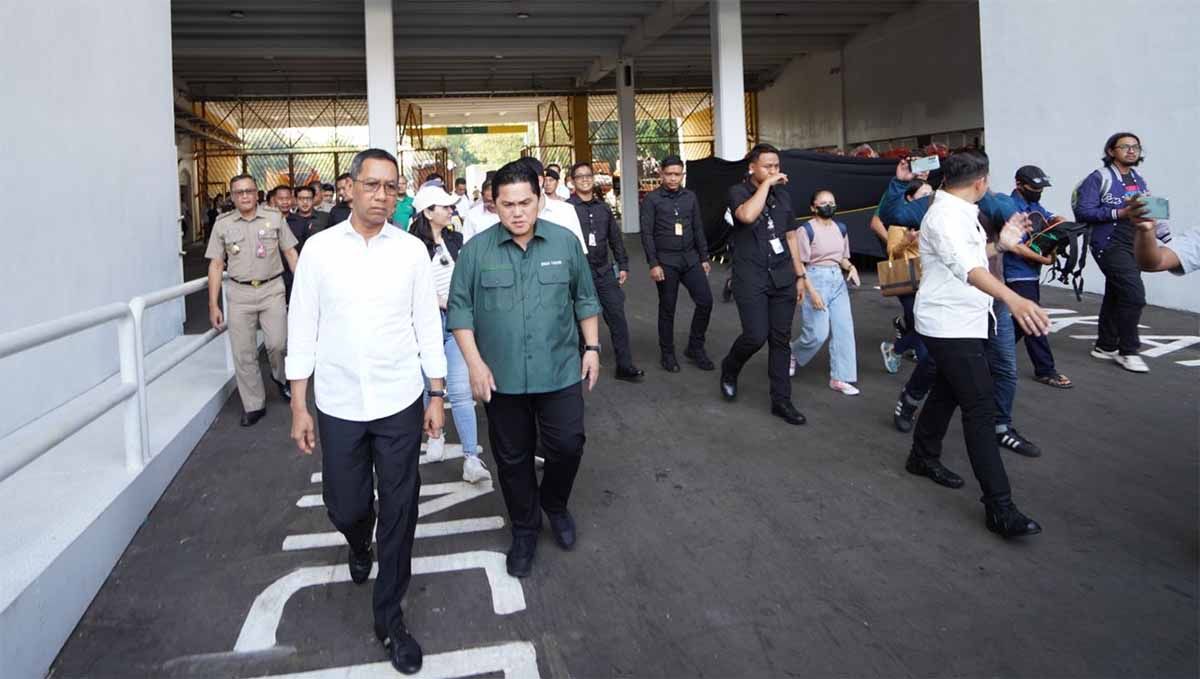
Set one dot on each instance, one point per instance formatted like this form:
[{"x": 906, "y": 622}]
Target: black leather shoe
[
  {"x": 563, "y": 527},
  {"x": 669, "y": 363},
  {"x": 519, "y": 562},
  {"x": 251, "y": 418},
  {"x": 788, "y": 412},
  {"x": 728, "y": 386},
  {"x": 1009, "y": 522},
  {"x": 285, "y": 389},
  {"x": 700, "y": 358},
  {"x": 630, "y": 374},
  {"x": 360, "y": 565},
  {"x": 934, "y": 470},
  {"x": 404, "y": 652}
]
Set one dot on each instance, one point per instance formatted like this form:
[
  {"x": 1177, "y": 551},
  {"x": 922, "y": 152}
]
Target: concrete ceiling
[{"x": 271, "y": 48}]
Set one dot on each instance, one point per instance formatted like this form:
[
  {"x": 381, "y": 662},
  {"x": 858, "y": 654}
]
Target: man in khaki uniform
[{"x": 248, "y": 241}]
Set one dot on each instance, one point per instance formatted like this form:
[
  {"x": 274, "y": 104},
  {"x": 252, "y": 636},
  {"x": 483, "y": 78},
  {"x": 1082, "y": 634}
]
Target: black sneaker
[
  {"x": 1012, "y": 439},
  {"x": 904, "y": 414},
  {"x": 1008, "y": 522},
  {"x": 898, "y": 324}
]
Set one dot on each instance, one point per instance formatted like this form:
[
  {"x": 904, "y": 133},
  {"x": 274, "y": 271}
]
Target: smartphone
[
  {"x": 926, "y": 164},
  {"x": 1156, "y": 206}
]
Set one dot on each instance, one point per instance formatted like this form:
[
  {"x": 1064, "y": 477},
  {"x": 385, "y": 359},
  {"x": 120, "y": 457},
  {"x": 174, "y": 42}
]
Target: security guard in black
[
  {"x": 767, "y": 274},
  {"x": 677, "y": 252},
  {"x": 601, "y": 233}
]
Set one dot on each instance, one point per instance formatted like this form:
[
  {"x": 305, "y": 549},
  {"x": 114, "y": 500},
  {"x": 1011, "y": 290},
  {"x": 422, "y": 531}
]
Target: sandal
[{"x": 1059, "y": 381}]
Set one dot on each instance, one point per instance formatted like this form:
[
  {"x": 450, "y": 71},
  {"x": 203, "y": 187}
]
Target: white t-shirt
[
  {"x": 555, "y": 211},
  {"x": 1186, "y": 246},
  {"x": 442, "y": 273}
]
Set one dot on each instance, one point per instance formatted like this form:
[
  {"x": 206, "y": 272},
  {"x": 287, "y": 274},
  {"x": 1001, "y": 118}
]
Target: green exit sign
[{"x": 478, "y": 129}]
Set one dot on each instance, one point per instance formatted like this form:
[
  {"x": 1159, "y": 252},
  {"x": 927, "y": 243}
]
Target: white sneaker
[
  {"x": 1134, "y": 363},
  {"x": 891, "y": 361},
  {"x": 844, "y": 387},
  {"x": 539, "y": 462},
  {"x": 474, "y": 471},
  {"x": 792, "y": 366},
  {"x": 436, "y": 450},
  {"x": 1103, "y": 355}
]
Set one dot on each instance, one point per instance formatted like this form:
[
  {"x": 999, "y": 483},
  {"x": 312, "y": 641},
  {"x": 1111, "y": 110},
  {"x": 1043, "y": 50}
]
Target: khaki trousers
[{"x": 249, "y": 309}]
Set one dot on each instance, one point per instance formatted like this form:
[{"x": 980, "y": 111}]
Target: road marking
[
  {"x": 1194, "y": 363},
  {"x": 262, "y": 622},
  {"x": 424, "y": 530},
  {"x": 517, "y": 660},
  {"x": 1163, "y": 344},
  {"x": 453, "y": 493}
]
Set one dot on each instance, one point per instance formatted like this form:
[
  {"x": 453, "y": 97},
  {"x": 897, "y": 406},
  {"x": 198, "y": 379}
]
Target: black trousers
[
  {"x": 612, "y": 303},
  {"x": 1124, "y": 299},
  {"x": 349, "y": 449},
  {"x": 1038, "y": 346},
  {"x": 515, "y": 424},
  {"x": 694, "y": 279},
  {"x": 964, "y": 381},
  {"x": 766, "y": 315}
]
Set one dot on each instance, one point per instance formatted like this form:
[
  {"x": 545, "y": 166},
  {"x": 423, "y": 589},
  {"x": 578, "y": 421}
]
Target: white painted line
[
  {"x": 453, "y": 493},
  {"x": 517, "y": 660},
  {"x": 454, "y": 451},
  {"x": 1059, "y": 312},
  {"x": 1194, "y": 363},
  {"x": 259, "y": 628},
  {"x": 434, "y": 529},
  {"x": 1165, "y": 344}
]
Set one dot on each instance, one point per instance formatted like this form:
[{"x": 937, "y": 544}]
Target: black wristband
[{"x": 591, "y": 347}]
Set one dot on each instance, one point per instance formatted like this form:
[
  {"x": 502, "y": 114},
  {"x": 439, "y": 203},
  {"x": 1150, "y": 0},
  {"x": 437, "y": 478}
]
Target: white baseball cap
[{"x": 429, "y": 196}]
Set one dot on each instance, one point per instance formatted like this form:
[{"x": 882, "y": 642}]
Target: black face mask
[
  {"x": 1030, "y": 196},
  {"x": 826, "y": 211}
]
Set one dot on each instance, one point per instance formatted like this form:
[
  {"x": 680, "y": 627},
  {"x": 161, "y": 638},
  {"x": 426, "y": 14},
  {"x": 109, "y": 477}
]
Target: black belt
[{"x": 256, "y": 284}]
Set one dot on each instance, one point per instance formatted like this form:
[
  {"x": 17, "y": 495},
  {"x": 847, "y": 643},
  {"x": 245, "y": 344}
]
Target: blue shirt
[{"x": 1016, "y": 267}]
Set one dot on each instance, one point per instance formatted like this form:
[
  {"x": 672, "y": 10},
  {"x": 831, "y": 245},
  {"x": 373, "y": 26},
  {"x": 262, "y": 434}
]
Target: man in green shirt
[
  {"x": 404, "y": 205},
  {"x": 518, "y": 294}
]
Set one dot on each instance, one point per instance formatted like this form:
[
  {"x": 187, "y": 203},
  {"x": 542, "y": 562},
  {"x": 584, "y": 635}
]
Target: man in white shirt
[
  {"x": 561, "y": 190},
  {"x": 953, "y": 309},
  {"x": 463, "y": 203},
  {"x": 366, "y": 322},
  {"x": 482, "y": 214},
  {"x": 554, "y": 211}
]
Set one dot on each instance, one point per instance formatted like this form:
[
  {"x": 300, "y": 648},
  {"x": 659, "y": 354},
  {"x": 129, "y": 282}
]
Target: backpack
[
  {"x": 808, "y": 228},
  {"x": 1106, "y": 173},
  {"x": 1067, "y": 242}
]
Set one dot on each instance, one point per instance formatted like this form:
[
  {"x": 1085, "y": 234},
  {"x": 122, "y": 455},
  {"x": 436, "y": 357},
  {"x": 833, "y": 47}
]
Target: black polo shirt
[
  {"x": 302, "y": 227},
  {"x": 600, "y": 231},
  {"x": 661, "y": 211},
  {"x": 752, "y": 251}
]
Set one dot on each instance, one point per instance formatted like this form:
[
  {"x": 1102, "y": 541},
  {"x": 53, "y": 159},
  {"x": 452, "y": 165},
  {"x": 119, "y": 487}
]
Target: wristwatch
[
  {"x": 437, "y": 393},
  {"x": 591, "y": 347}
]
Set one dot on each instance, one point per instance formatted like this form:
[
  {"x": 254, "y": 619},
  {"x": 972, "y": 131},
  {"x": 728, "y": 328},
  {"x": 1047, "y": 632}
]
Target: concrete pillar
[
  {"x": 627, "y": 122},
  {"x": 381, "y": 75},
  {"x": 729, "y": 90},
  {"x": 579, "y": 128}
]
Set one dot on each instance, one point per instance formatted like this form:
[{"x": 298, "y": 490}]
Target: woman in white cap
[{"x": 432, "y": 212}]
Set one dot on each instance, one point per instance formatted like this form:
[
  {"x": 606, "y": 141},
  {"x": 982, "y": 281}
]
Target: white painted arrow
[{"x": 517, "y": 660}]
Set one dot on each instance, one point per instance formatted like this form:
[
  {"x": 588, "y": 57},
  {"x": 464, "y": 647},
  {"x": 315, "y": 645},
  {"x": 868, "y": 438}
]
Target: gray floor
[{"x": 717, "y": 541}]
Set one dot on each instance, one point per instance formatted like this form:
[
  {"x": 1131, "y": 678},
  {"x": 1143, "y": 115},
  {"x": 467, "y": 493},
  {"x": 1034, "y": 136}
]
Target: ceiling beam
[{"x": 667, "y": 16}]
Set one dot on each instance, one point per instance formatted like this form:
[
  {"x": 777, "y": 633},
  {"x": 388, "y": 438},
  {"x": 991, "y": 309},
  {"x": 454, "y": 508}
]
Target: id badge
[
  {"x": 261, "y": 252},
  {"x": 776, "y": 246},
  {"x": 591, "y": 240},
  {"x": 678, "y": 228}
]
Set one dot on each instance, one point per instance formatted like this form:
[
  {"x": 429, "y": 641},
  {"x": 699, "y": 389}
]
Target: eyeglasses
[
  {"x": 373, "y": 186},
  {"x": 579, "y": 177},
  {"x": 1137, "y": 148},
  {"x": 245, "y": 192}
]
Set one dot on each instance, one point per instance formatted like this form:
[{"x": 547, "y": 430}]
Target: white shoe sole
[
  {"x": 1139, "y": 367},
  {"x": 1103, "y": 355}
]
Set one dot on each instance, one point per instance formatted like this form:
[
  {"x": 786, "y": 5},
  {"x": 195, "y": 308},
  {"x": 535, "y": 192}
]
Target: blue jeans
[
  {"x": 1002, "y": 360},
  {"x": 458, "y": 391},
  {"x": 834, "y": 322}
]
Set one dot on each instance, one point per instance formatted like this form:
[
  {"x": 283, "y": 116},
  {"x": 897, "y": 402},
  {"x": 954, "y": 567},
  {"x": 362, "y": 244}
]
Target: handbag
[
  {"x": 782, "y": 274},
  {"x": 901, "y": 276}
]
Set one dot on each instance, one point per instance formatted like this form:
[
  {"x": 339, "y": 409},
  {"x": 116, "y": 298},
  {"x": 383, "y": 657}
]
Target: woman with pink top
[{"x": 825, "y": 314}]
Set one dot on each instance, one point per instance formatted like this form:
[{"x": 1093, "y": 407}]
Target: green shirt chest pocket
[
  {"x": 553, "y": 281},
  {"x": 498, "y": 289}
]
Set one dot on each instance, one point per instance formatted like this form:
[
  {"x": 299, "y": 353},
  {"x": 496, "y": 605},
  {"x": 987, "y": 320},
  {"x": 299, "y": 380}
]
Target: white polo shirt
[
  {"x": 364, "y": 317},
  {"x": 952, "y": 244}
]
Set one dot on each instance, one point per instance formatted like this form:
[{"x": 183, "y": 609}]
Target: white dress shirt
[
  {"x": 364, "y": 317},
  {"x": 556, "y": 211},
  {"x": 952, "y": 244}
]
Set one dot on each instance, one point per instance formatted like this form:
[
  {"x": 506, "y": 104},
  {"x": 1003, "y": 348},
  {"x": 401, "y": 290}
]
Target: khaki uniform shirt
[{"x": 241, "y": 241}]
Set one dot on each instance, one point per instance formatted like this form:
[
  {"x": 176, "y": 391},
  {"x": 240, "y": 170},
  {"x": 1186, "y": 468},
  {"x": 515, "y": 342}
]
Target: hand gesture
[
  {"x": 482, "y": 381},
  {"x": 1032, "y": 318},
  {"x": 435, "y": 417},
  {"x": 777, "y": 178},
  {"x": 303, "y": 432},
  {"x": 1134, "y": 209},
  {"x": 591, "y": 368},
  {"x": 1014, "y": 231},
  {"x": 904, "y": 170}
]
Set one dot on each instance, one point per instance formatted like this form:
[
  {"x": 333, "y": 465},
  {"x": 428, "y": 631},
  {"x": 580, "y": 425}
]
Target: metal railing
[{"x": 33, "y": 440}]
